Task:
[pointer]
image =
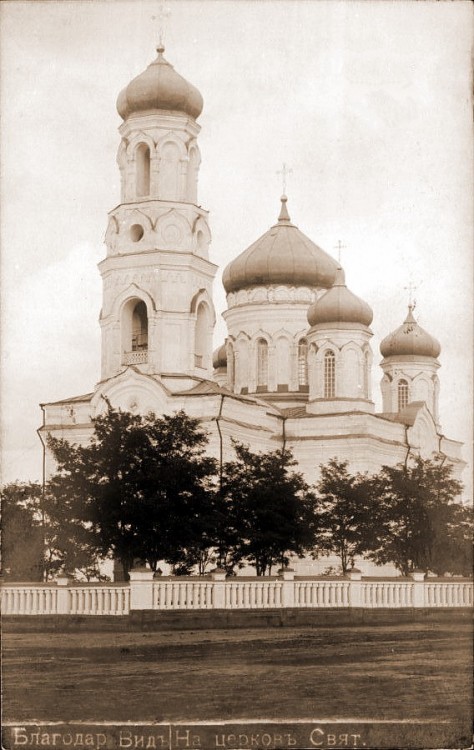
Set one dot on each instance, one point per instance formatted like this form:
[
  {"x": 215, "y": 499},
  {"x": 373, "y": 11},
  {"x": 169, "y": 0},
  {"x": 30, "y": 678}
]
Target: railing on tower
[{"x": 135, "y": 358}]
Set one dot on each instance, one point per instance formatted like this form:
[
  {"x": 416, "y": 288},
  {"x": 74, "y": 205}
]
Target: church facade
[{"x": 295, "y": 370}]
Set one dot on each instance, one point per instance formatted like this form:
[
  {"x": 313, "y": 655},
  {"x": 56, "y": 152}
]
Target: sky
[{"x": 368, "y": 103}]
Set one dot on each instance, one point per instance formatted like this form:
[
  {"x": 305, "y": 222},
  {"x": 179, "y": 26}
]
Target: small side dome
[
  {"x": 410, "y": 339},
  {"x": 283, "y": 255},
  {"x": 219, "y": 357},
  {"x": 339, "y": 305},
  {"x": 159, "y": 87}
]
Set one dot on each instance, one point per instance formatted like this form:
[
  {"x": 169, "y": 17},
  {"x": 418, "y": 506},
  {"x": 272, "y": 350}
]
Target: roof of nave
[
  {"x": 407, "y": 416},
  {"x": 211, "y": 388},
  {"x": 74, "y": 399}
]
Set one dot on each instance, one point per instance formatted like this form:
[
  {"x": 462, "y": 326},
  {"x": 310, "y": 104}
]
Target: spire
[
  {"x": 410, "y": 317},
  {"x": 284, "y": 215},
  {"x": 340, "y": 279}
]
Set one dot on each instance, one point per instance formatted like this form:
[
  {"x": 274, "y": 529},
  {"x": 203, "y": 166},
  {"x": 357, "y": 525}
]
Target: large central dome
[
  {"x": 283, "y": 255},
  {"x": 159, "y": 87}
]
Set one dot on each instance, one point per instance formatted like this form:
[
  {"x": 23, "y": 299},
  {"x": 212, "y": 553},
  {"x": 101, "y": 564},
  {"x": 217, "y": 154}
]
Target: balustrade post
[
  {"x": 418, "y": 577},
  {"x": 355, "y": 587},
  {"x": 141, "y": 588},
  {"x": 218, "y": 577},
  {"x": 288, "y": 587},
  {"x": 63, "y": 599}
]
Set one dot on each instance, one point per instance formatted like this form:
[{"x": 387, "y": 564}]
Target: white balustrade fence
[
  {"x": 52, "y": 599},
  {"x": 322, "y": 594},
  {"x": 33, "y": 599},
  {"x": 387, "y": 594},
  {"x": 99, "y": 600},
  {"x": 176, "y": 594},
  {"x": 217, "y": 592},
  {"x": 255, "y": 594}
]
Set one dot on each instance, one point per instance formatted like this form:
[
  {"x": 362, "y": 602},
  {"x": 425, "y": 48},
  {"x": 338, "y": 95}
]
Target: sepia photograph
[{"x": 236, "y": 379}]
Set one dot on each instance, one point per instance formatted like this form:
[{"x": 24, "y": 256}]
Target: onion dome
[
  {"x": 219, "y": 357},
  {"x": 159, "y": 87},
  {"x": 283, "y": 255},
  {"x": 411, "y": 339},
  {"x": 339, "y": 305}
]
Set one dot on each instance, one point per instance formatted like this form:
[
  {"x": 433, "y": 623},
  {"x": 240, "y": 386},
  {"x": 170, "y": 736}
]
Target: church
[{"x": 295, "y": 370}]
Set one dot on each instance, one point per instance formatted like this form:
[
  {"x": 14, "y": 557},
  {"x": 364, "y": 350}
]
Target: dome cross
[
  {"x": 339, "y": 247},
  {"x": 411, "y": 288},
  {"x": 162, "y": 17},
  {"x": 284, "y": 171}
]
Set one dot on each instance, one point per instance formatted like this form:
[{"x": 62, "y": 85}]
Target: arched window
[
  {"x": 139, "y": 328},
  {"x": 262, "y": 364},
  {"x": 302, "y": 362},
  {"x": 143, "y": 170},
  {"x": 201, "y": 335},
  {"x": 329, "y": 375},
  {"x": 402, "y": 394}
]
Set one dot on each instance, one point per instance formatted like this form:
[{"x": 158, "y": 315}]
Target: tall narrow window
[
  {"x": 201, "y": 335},
  {"x": 329, "y": 375},
  {"x": 303, "y": 362},
  {"x": 402, "y": 394},
  {"x": 193, "y": 166},
  {"x": 262, "y": 364},
  {"x": 143, "y": 170},
  {"x": 230, "y": 366},
  {"x": 139, "y": 328},
  {"x": 366, "y": 375}
]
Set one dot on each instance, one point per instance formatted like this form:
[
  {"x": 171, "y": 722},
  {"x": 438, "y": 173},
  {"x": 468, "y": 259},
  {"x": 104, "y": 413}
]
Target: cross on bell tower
[{"x": 162, "y": 17}]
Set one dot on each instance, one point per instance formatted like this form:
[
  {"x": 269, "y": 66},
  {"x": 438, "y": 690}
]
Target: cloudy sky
[{"x": 368, "y": 102}]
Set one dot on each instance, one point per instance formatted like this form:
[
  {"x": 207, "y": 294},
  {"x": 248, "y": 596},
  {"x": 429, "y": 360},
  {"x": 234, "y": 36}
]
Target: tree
[
  {"x": 345, "y": 509},
  {"x": 417, "y": 514},
  {"x": 269, "y": 509},
  {"x": 451, "y": 546},
  {"x": 22, "y": 532},
  {"x": 138, "y": 485},
  {"x": 70, "y": 544}
]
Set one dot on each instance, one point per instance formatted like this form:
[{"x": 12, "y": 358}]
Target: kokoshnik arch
[{"x": 295, "y": 369}]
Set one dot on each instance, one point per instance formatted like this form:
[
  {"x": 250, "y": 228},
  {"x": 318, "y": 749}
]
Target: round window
[{"x": 136, "y": 232}]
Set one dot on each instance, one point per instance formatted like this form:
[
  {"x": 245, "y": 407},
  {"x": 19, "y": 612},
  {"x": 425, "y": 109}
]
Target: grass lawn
[{"x": 402, "y": 671}]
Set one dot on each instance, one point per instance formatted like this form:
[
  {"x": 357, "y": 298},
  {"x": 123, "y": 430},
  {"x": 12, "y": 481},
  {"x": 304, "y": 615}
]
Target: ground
[{"x": 399, "y": 671}]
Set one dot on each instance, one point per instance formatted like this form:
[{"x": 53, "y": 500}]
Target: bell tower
[{"x": 157, "y": 311}]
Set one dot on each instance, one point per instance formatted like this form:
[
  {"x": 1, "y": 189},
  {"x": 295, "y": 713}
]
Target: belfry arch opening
[
  {"x": 143, "y": 170},
  {"x": 135, "y": 332}
]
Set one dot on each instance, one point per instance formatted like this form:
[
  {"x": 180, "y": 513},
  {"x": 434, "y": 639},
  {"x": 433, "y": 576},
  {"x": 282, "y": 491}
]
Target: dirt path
[{"x": 401, "y": 671}]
